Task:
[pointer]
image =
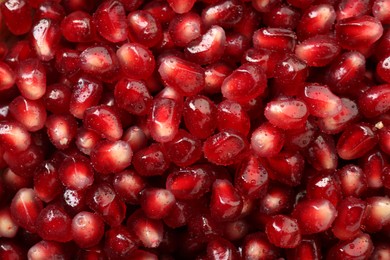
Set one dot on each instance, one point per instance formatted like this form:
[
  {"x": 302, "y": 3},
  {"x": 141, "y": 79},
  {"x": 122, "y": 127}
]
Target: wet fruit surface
[{"x": 195, "y": 129}]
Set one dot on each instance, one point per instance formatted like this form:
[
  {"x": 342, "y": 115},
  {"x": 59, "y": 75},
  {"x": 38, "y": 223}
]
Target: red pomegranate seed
[
  {"x": 382, "y": 69},
  {"x": 208, "y": 48},
  {"x": 257, "y": 246},
  {"x": 148, "y": 231},
  {"x": 31, "y": 79},
  {"x": 110, "y": 20},
  {"x": 357, "y": 33},
  {"x": 277, "y": 200},
  {"x": 185, "y": 28},
  {"x": 189, "y": 183},
  {"x": 381, "y": 251},
  {"x": 185, "y": 77},
  {"x": 7, "y": 76},
  {"x": 314, "y": 215},
  {"x": 50, "y": 10},
  {"x": 20, "y": 51},
  {"x": 281, "y": 16},
  {"x": 87, "y": 229},
  {"x": 47, "y": 249},
  {"x": 17, "y": 8},
  {"x": 267, "y": 140},
  {"x": 384, "y": 140},
  {"x": 61, "y": 130},
  {"x": 324, "y": 186},
  {"x": 46, "y": 36},
  {"x": 144, "y": 28},
  {"x": 13, "y": 182},
  {"x": 359, "y": 247},
  {"x": 74, "y": 201},
  {"x": 377, "y": 214},
  {"x": 161, "y": 10},
  {"x": 231, "y": 115},
  {"x": 76, "y": 173},
  {"x": 302, "y": 4},
  {"x": 119, "y": 243},
  {"x": 353, "y": 181},
  {"x": 157, "y": 203},
  {"x": 318, "y": 51},
  {"x": 287, "y": 167},
  {"x": 54, "y": 224},
  {"x": 236, "y": 230},
  {"x": 225, "y": 13},
  {"x": 220, "y": 247},
  {"x": 102, "y": 199},
  {"x": 275, "y": 39},
  {"x": 352, "y": 8},
  {"x": 184, "y": 149},
  {"x": 47, "y": 185},
  {"x": 265, "y": 6},
  {"x": 372, "y": 164},
  {"x": 25, "y": 208},
  {"x": 86, "y": 140},
  {"x": 309, "y": 248},
  {"x": 247, "y": 26},
  {"x": 109, "y": 157},
  {"x": 355, "y": 141},
  {"x": 283, "y": 231},
  {"x": 57, "y": 98},
  {"x": 225, "y": 148},
  {"x": 8, "y": 227},
  {"x": 135, "y": 137},
  {"x": 321, "y": 102},
  {"x": 375, "y": 101},
  {"x": 181, "y": 6},
  {"x": 151, "y": 161},
  {"x": 199, "y": 116},
  {"x": 31, "y": 113},
  {"x": 236, "y": 45},
  {"x": 322, "y": 154},
  {"x": 244, "y": 84},
  {"x": 380, "y": 9},
  {"x": 128, "y": 185},
  {"x": 177, "y": 217},
  {"x": 24, "y": 163},
  {"x": 14, "y": 136},
  {"x": 287, "y": 113},
  {"x": 78, "y": 27},
  {"x": 164, "y": 119},
  {"x": 317, "y": 19},
  {"x": 226, "y": 203}
]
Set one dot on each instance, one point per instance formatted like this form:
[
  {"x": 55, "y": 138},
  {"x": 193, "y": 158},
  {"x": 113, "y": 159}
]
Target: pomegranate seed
[
  {"x": 372, "y": 164},
  {"x": 151, "y": 161},
  {"x": 57, "y": 98},
  {"x": 355, "y": 141},
  {"x": 302, "y": 4},
  {"x": 356, "y": 33},
  {"x": 321, "y": 153},
  {"x": 277, "y": 199},
  {"x": 157, "y": 203},
  {"x": 13, "y": 182},
  {"x": 144, "y": 28},
  {"x": 265, "y": 6},
  {"x": 281, "y": 16},
  {"x": 286, "y": 113},
  {"x": 384, "y": 140},
  {"x": 236, "y": 230},
  {"x": 135, "y": 137},
  {"x": 247, "y": 26},
  {"x": 184, "y": 149},
  {"x": 86, "y": 140},
  {"x": 324, "y": 186},
  {"x": 161, "y": 10},
  {"x": 314, "y": 215},
  {"x": 119, "y": 243},
  {"x": 245, "y": 83},
  {"x": 380, "y": 10},
  {"x": 87, "y": 229},
  {"x": 181, "y": 6},
  {"x": 374, "y": 101},
  {"x": 78, "y": 27},
  {"x": 46, "y": 36},
  {"x": 136, "y": 61},
  {"x": 14, "y": 136},
  {"x": 47, "y": 185},
  {"x": 76, "y": 173},
  {"x": 257, "y": 246},
  {"x": 25, "y": 208},
  {"x": 8, "y": 227},
  {"x": 359, "y": 247},
  {"x": 31, "y": 113},
  {"x": 308, "y": 249},
  {"x": 7, "y": 76},
  {"x": 275, "y": 39},
  {"x": 31, "y": 79},
  {"x": 318, "y": 51},
  {"x": 148, "y": 231},
  {"x": 348, "y": 8},
  {"x": 110, "y": 20},
  {"x": 225, "y": 13},
  {"x": 17, "y": 8},
  {"x": 47, "y": 249},
  {"x": 377, "y": 214},
  {"x": 267, "y": 140},
  {"x": 173, "y": 68},
  {"x": 53, "y": 223},
  {"x": 231, "y": 115},
  {"x": 102, "y": 199},
  {"x": 128, "y": 185},
  {"x": 220, "y": 247},
  {"x": 283, "y": 231},
  {"x": 74, "y": 201},
  {"x": 61, "y": 130},
  {"x": 321, "y": 102},
  {"x": 287, "y": 167},
  {"x": 111, "y": 156},
  {"x": 225, "y": 204},
  {"x": 352, "y": 180},
  {"x": 185, "y": 28}
]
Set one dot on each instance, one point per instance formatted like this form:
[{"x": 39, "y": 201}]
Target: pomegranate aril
[
  {"x": 148, "y": 231},
  {"x": 119, "y": 243},
  {"x": 109, "y": 157},
  {"x": 372, "y": 164},
  {"x": 8, "y": 227},
  {"x": 47, "y": 185},
  {"x": 322, "y": 154},
  {"x": 76, "y": 173},
  {"x": 102, "y": 199},
  {"x": 54, "y": 224},
  {"x": 46, "y": 36},
  {"x": 151, "y": 161},
  {"x": 137, "y": 62},
  {"x": 57, "y": 98},
  {"x": 31, "y": 79},
  {"x": 353, "y": 181},
  {"x": 380, "y": 10},
  {"x": 14, "y": 136},
  {"x": 287, "y": 167},
  {"x": 185, "y": 77},
  {"x": 283, "y": 231},
  {"x": 7, "y": 76},
  {"x": 85, "y": 140},
  {"x": 226, "y": 203},
  {"x": 21, "y": 9},
  {"x": 51, "y": 10},
  {"x": 156, "y": 203},
  {"x": 377, "y": 214},
  {"x": 301, "y": 4},
  {"x": 61, "y": 129},
  {"x": 208, "y": 48},
  {"x": 185, "y": 28},
  {"x": 73, "y": 201},
  {"x": 266, "y": 59},
  {"x": 181, "y": 6},
  {"x": 275, "y": 39},
  {"x": 159, "y": 9},
  {"x": 314, "y": 215},
  {"x": 87, "y": 229},
  {"x": 128, "y": 185},
  {"x": 219, "y": 248},
  {"x": 352, "y": 8},
  {"x": 25, "y": 208},
  {"x": 281, "y": 16},
  {"x": 144, "y": 28},
  {"x": 231, "y": 115},
  {"x": 267, "y": 140},
  {"x": 324, "y": 186},
  {"x": 384, "y": 140},
  {"x": 359, "y": 247},
  {"x": 375, "y": 101},
  {"x": 184, "y": 149},
  {"x": 321, "y": 102},
  {"x": 78, "y": 27},
  {"x": 31, "y": 113},
  {"x": 135, "y": 137},
  {"x": 356, "y": 140},
  {"x": 257, "y": 246},
  {"x": 225, "y": 13},
  {"x": 47, "y": 249},
  {"x": 110, "y": 20}
]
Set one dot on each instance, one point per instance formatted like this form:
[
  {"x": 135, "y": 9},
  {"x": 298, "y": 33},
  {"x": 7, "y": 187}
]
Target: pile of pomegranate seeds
[{"x": 195, "y": 129}]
